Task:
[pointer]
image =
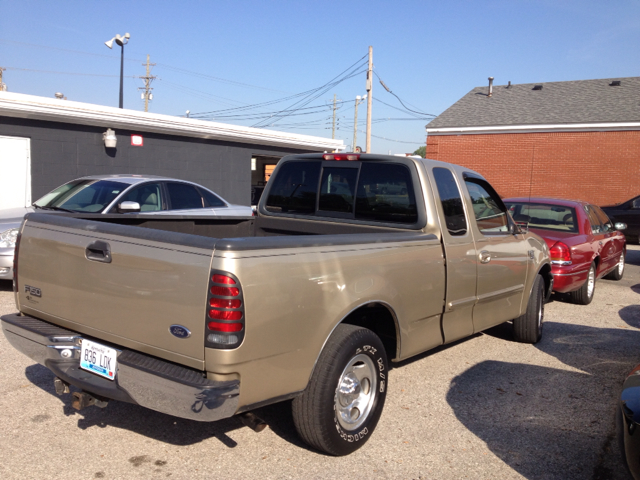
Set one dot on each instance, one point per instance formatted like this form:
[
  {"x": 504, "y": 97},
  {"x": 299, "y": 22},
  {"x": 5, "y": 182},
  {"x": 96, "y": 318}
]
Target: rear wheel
[
  {"x": 617, "y": 272},
  {"x": 584, "y": 294},
  {"x": 341, "y": 406},
  {"x": 527, "y": 328}
]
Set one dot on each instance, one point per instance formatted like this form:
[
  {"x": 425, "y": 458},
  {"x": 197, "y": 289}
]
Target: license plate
[{"x": 98, "y": 359}]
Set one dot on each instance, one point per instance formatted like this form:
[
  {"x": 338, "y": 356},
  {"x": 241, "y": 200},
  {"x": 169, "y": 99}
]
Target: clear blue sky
[{"x": 214, "y": 55}]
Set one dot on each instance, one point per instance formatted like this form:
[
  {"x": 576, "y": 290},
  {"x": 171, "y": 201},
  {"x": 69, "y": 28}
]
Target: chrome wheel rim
[
  {"x": 591, "y": 282},
  {"x": 621, "y": 264},
  {"x": 356, "y": 392}
]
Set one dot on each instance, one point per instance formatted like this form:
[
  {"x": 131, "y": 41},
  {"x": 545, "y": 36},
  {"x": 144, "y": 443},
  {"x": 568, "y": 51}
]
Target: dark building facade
[{"x": 66, "y": 142}]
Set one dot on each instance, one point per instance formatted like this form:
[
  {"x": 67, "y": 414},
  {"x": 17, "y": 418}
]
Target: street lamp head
[
  {"x": 358, "y": 97},
  {"x": 110, "y": 42}
]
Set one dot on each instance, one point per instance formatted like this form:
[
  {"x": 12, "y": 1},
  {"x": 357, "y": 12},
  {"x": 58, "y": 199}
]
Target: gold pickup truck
[{"x": 351, "y": 261}]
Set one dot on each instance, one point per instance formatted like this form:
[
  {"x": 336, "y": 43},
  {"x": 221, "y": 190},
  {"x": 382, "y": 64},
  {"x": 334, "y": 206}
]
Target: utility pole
[
  {"x": 333, "y": 128},
  {"x": 3, "y": 87},
  {"x": 148, "y": 78},
  {"x": 359, "y": 100},
  {"x": 369, "y": 98}
]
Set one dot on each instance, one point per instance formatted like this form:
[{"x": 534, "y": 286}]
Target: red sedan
[{"x": 584, "y": 244}]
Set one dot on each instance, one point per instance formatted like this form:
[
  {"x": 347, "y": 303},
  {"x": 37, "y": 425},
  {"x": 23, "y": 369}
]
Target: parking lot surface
[{"x": 485, "y": 407}]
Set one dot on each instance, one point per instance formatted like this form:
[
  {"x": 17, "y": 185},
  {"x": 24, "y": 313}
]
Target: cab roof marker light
[{"x": 341, "y": 156}]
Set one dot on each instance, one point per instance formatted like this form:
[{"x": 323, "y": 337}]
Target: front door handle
[
  {"x": 98, "y": 251},
  {"x": 484, "y": 256}
]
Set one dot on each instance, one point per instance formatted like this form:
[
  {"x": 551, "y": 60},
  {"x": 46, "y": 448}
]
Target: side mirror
[
  {"x": 518, "y": 227},
  {"x": 620, "y": 226},
  {"x": 129, "y": 207}
]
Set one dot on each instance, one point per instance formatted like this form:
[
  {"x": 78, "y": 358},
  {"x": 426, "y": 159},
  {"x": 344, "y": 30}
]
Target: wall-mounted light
[
  {"x": 109, "y": 138},
  {"x": 253, "y": 164}
]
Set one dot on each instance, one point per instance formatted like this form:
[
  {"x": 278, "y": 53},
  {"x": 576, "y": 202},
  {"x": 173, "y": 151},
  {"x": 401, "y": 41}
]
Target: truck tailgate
[{"x": 154, "y": 279}]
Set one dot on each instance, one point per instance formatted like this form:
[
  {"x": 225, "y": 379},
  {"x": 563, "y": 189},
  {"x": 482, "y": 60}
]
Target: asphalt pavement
[{"x": 483, "y": 408}]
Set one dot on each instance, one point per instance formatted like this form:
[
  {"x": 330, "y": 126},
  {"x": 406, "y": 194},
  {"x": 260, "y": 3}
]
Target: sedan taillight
[{"x": 560, "y": 254}]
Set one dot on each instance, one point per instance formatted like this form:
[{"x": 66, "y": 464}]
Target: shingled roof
[{"x": 555, "y": 103}]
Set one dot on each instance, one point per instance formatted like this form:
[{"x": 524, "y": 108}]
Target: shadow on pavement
[
  {"x": 549, "y": 422},
  {"x": 6, "y": 286},
  {"x": 162, "y": 427}
]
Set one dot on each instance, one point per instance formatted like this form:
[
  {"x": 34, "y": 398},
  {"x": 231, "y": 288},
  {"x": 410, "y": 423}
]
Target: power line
[
  {"x": 399, "y": 99},
  {"x": 342, "y": 76},
  {"x": 66, "y": 73}
]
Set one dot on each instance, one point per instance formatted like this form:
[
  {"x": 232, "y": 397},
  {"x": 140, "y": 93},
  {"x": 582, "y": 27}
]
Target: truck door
[
  {"x": 502, "y": 257},
  {"x": 460, "y": 254}
]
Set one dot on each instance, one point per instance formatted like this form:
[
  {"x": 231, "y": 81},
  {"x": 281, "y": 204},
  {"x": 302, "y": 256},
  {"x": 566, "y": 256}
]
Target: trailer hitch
[{"x": 84, "y": 399}]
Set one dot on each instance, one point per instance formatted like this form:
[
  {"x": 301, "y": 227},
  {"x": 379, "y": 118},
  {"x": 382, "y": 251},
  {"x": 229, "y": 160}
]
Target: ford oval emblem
[{"x": 179, "y": 331}]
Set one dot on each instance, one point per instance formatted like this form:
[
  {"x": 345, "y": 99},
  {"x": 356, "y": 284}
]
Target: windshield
[
  {"x": 545, "y": 216},
  {"x": 91, "y": 196}
]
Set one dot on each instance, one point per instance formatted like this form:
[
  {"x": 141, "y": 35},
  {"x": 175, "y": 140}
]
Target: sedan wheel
[
  {"x": 617, "y": 272},
  {"x": 584, "y": 295}
]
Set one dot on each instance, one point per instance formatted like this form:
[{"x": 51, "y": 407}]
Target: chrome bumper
[
  {"x": 140, "y": 379},
  {"x": 6, "y": 267}
]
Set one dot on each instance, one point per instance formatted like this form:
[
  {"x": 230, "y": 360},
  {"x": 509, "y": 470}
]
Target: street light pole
[
  {"x": 359, "y": 100},
  {"x": 122, "y": 41},
  {"x": 121, "y": 74}
]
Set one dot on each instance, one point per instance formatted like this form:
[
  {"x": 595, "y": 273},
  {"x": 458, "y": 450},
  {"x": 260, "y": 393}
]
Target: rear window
[
  {"x": 371, "y": 191},
  {"x": 545, "y": 216}
]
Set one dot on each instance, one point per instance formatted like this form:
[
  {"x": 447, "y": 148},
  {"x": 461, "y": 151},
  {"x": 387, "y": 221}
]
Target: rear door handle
[
  {"x": 484, "y": 256},
  {"x": 98, "y": 251}
]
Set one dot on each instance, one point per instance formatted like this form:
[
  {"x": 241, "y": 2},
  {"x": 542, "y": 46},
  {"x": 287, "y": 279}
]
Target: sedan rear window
[{"x": 545, "y": 216}]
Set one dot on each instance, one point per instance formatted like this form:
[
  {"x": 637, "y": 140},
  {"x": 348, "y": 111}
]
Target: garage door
[{"x": 15, "y": 171}]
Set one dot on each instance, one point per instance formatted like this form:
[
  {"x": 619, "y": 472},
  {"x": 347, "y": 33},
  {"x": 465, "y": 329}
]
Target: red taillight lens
[
  {"x": 225, "y": 314},
  {"x": 560, "y": 252},
  {"x": 224, "y": 327},
  {"x": 224, "y": 303},
  {"x": 223, "y": 279},
  {"x": 341, "y": 156},
  {"x": 225, "y": 291}
]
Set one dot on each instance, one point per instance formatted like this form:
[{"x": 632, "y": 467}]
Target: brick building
[{"x": 577, "y": 139}]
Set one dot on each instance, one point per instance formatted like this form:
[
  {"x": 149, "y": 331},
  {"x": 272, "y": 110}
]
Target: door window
[
  {"x": 596, "y": 226},
  {"x": 149, "y": 197},
  {"x": 488, "y": 208},
  {"x": 211, "y": 199},
  {"x": 607, "y": 225},
  {"x": 184, "y": 196},
  {"x": 451, "y": 201}
]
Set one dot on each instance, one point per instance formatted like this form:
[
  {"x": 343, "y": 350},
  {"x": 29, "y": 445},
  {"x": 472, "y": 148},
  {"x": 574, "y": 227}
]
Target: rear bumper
[
  {"x": 568, "y": 279},
  {"x": 6, "y": 267},
  {"x": 140, "y": 379}
]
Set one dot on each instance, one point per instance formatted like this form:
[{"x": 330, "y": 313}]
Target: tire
[
  {"x": 618, "y": 272},
  {"x": 324, "y": 415},
  {"x": 527, "y": 328},
  {"x": 584, "y": 295}
]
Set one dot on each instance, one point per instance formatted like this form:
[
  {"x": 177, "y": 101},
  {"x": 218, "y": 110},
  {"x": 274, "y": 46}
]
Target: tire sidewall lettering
[{"x": 352, "y": 437}]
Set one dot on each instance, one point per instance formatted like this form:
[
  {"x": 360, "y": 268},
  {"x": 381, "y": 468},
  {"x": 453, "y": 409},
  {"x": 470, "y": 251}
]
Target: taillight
[
  {"x": 341, "y": 156},
  {"x": 225, "y": 312},
  {"x": 560, "y": 254},
  {"x": 15, "y": 263}
]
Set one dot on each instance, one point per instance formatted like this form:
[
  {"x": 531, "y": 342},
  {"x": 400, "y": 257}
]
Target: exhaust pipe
[
  {"x": 490, "y": 86},
  {"x": 252, "y": 421}
]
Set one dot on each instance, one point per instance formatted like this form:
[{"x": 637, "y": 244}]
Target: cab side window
[
  {"x": 184, "y": 196},
  {"x": 488, "y": 208},
  {"x": 451, "y": 201}
]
